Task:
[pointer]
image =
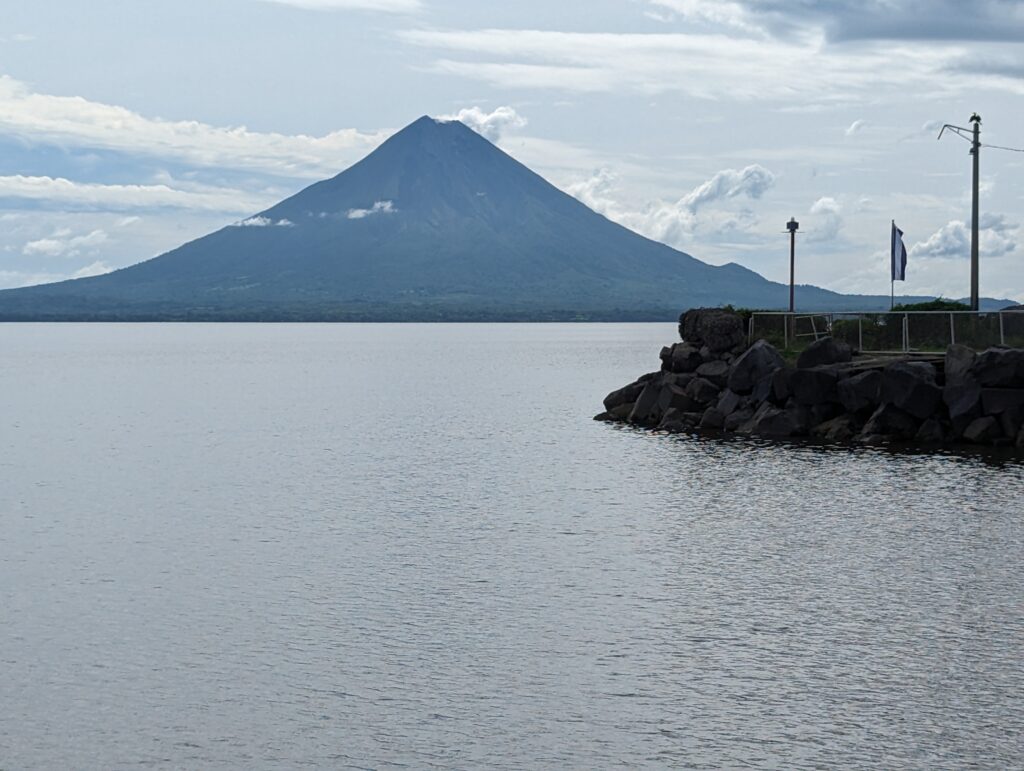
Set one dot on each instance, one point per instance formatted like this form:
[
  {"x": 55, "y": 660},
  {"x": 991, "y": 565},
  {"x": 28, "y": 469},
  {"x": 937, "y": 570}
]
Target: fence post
[
  {"x": 1002, "y": 333},
  {"x": 906, "y": 333},
  {"x": 860, "y": 333},
  {"x": 785, "y": 332},
  {"x": 952, "y": 330},
  {"x": 750, "y": 330}
]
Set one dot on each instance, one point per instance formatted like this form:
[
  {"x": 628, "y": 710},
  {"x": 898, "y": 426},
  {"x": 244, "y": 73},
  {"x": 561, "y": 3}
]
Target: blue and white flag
[{"x": 899, "y": 255}]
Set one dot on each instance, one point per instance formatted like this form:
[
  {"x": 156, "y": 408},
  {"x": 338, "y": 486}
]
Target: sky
[{"x": 128, "y": 127}]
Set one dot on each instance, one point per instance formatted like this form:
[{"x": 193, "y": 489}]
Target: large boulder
[
  {"x": 815, "y": 386},
  {"x": 647, "y": 410},
  {"x": 625, "y": 395},
  {"x": 840, "y": 429},
  {"x": 715, "y": 371},
  {"x": 982, "y": 430},
  {"x": 755, "y": 363},
  {"x": 718, "y": 329},
  {"x": 675, "y": 397},
  {"x": 824, "y": 351},
  {"x": 729, "y": 402},
  {"x": 703, "y": 391},
  {"x": 861, "y": 392},
  {"x": 958, "y": 363},
  {"x": 999, "y": 368},
  {"x": 773, "y": 421},
  {"x": 910, "y": 385},
  {"x": 995, "y": 401},
  {"x": 890, "y": 421},
  {"x": 683, "y": 357},
  {"x": 712, "y": 419},
  {"x": 963, "y": 398}
]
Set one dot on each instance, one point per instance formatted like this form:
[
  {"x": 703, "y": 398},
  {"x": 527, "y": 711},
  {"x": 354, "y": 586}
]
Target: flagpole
[{"x": 892, "y": 295}]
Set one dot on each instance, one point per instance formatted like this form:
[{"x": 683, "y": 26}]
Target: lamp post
[{"x": 792, "y": 226}]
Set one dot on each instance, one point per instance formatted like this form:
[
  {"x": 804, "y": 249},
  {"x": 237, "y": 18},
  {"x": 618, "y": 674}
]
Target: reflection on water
[{"x": 369, "y": 546}]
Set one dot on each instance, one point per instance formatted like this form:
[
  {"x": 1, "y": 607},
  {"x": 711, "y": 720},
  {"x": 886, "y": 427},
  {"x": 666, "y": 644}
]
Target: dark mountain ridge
[{"x": 436, "y": 224}]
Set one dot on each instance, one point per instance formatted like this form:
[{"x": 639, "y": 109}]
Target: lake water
[{"x": 386, "y": 546}]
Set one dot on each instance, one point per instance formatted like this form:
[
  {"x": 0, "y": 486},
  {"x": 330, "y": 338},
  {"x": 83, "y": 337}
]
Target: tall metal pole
[
  {"x": 975, "y": 151},
  {"x": 792, "y": 226}
]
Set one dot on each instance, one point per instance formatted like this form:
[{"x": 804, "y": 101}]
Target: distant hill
[{"x": 436, "y": 224}]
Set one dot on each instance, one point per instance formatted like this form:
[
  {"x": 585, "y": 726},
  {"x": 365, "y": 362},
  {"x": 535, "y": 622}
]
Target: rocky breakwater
[{"x": 713, "y": 381}]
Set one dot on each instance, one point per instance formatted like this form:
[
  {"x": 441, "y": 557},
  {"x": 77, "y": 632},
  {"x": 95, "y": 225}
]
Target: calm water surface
[{"x": 346, "y": 546}]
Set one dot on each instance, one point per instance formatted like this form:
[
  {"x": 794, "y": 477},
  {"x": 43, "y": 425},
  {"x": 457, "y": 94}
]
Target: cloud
[
  {"x": 60, "y": 192},
  {"x": 996, "y": 238},
  {"x": 677, "y": 222},
  {"x": 385, "y": 6},
  {"x": 752, "y": 181},
  {"x": 62, "y": 243},
  {"x": 381, "y": 207},
  {"x": 827, "y": 213},
  {"x": 73, "y": 121},
  {"x": 489, "y": 124},
  {"x": 263, "y": 222},
  {"x": 856, "y": 127},
  {"x": 97, "y": 268},
  {"x": 849, "y": 20},
  {"x": 702, "y": 65}
]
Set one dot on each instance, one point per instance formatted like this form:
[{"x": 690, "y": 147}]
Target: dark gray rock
[
  {"x": 910, "y": 385},
  {"x": 963, "y": 398},
  {"x": 1011, "y": 421},
  {"x": 982, "y": 430},
  {"x": 1020, "y": 439},
  {"x": 718, "y": 329},
  {"x": 672, "y": 396},
  {"x": 781, "y": 390},
  {"x": 712, "y": 418},
  {"x": 625, "y": 395},
  {"x": 840, "y": 429},
  {"x": 889, "y": 420},
  {"x": 758, "y": 361},
  {"x": 621, "y": 411},
  {"x": 729, "y": 402},
  {"x": 930, "y": 432},
  {"x": 736, "y": 420},
  {"x": 646, "y": 411},
  {"x": 604, "y": 416},
  {"x": 681, "y": 379},
  {"x": 995, "y": 401},
  {"x": 682, "y": 357},
  {"x": 762, "y": 390},
  {"x": 773, "y": 421},
  {"x": 861, "y": 392},
  {"x": 815, "y": 386},
  {"x": 999, "y": 368},
  {"x": 715, "y": 371},
  {"x": 820, "y": 413},
  {"x": 824, "y": 351},
  {"x": 703, "y": 391},
  {"x": 958, "y": 363}
]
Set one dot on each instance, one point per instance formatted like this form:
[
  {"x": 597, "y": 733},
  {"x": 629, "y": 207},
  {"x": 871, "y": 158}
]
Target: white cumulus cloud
[
  {"x": 260, "y": 221},
  {"x": 381, "y": 207},
  {"x": 827, "y": 216},
  {"x": 489, "y": 124},
  {"x": 63, "y": 243},
  {"x": 996, "y": 237}
]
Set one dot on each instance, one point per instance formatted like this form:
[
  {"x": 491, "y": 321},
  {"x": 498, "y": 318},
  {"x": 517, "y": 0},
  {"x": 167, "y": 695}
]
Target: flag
[{"x": 899, "y": 255}]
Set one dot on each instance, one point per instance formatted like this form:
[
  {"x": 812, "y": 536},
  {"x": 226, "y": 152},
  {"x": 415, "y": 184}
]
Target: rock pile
[{"x": 714, "y": 381}]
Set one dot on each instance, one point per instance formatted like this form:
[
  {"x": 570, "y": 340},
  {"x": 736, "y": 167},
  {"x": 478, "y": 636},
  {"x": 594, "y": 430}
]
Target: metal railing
[{"x": 890, "y": 332}]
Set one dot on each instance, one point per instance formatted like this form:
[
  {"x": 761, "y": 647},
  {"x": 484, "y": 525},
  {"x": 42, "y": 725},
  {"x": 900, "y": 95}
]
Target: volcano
[{"x": 436, "y": 224}]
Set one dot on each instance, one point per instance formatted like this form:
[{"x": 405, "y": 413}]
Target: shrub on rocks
[{"x": 718, "y": 329}]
